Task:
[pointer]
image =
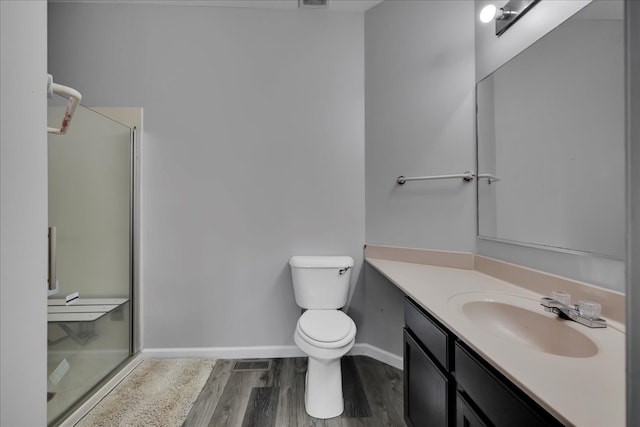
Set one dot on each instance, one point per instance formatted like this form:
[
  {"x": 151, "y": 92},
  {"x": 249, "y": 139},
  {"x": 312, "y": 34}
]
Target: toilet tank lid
[{"x": 299, "y": 261}]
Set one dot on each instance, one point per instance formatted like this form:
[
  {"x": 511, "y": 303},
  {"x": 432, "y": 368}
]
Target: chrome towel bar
[
  {"x": 467, "y": 176},
  {"x": 490, "y": 178}
]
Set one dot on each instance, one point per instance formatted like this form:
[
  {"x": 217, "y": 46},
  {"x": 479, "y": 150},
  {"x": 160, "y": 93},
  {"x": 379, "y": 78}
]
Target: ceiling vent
[{"x": 313, "y": 4}]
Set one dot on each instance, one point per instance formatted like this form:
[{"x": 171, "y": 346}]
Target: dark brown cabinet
[
  {"x": 428, "y": 383},
  {"x": 426, "y": 387},
  {"x": 447, "y": 384}
]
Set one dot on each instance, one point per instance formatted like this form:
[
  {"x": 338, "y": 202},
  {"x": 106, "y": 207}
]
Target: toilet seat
[{"x": 326, "y": 328}]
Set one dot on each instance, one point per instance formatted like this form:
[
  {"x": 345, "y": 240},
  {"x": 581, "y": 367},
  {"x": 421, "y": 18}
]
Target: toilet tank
[{"x": 321, "y": 282}]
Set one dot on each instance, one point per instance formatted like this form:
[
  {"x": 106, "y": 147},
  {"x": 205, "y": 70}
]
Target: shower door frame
[{"x": 132, "y": 117}]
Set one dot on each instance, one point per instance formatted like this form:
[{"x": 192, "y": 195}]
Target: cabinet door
[
  {"x": 426, "y": 388},
  {"x": 466, "y": 416}
]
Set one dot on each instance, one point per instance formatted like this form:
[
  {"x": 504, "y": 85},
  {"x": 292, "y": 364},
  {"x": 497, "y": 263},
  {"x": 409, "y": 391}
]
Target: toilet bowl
[
  {"x": 323, "y": 332},
  {"x": 325, "y": 336}
]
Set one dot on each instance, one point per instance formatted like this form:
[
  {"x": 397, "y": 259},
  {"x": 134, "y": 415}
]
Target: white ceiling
[{"x": 334, "y": 5}]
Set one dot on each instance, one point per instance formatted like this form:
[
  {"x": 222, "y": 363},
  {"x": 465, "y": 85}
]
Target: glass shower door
[{"x": 90, "y": 214}]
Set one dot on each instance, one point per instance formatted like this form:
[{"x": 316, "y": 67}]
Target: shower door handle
[{"x": 52, "y": 259}]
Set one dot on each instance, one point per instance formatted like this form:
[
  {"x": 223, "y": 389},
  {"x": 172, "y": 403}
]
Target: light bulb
[{"x": 488, "y": 13}]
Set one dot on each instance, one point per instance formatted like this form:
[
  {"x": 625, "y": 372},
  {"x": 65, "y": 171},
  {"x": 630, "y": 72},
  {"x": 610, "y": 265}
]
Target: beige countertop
[{"x": 580, "y": 391}]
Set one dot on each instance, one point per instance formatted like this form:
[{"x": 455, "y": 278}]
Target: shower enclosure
[{"x": 91, "y": 220}]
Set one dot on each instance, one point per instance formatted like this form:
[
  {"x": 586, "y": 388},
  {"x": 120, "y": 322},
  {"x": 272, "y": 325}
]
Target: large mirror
[{"x": 550, "y": 129}]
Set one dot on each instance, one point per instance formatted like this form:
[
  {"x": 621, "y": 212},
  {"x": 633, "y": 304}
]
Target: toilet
[{"x": 324, "y": 333}]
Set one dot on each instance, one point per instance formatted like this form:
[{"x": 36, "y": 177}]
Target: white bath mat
[{"x": 156, "y": 393}]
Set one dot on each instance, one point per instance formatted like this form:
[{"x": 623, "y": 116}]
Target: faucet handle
[
  {"x": 589, "y": 309},
  {"x": 561, "y": 297}
]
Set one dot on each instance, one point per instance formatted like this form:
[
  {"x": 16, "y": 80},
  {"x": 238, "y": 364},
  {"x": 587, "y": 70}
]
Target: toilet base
[
  {"x": 323, "y": 384},
  {"x": 323, "y": 388}
]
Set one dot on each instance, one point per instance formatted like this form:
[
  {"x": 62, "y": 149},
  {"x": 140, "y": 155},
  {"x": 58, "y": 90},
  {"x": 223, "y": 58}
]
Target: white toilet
[{"x": 323, "y": 332}]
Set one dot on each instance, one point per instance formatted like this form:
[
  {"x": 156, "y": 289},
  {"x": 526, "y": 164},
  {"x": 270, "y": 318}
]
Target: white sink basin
[{"x": 523, "y": 321}]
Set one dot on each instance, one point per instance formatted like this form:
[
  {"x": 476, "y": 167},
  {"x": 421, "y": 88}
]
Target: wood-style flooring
[{"x": 246, "y": 397}]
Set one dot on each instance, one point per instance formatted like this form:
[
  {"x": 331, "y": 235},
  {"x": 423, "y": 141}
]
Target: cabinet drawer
[
  {"x": 503, "y": 405},
  {"x": 432, "y": 336}
]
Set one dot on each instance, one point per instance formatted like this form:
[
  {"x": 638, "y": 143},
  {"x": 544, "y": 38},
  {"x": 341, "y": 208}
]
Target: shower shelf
[{"x": 85, "y": 310}]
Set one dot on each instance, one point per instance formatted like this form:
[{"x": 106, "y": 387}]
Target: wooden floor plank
[
  {"x": 355, "y": 399},
  {"x": 358, "y": 422},
  {"x": 271, "y": 377},
  {"x": 291, "y": 402},
  {"x": 232, "y": 405},
  {"x": 204, "y": 406},
  {"x": 262, "y": 406},
  {"x": 384, "y": 388}
]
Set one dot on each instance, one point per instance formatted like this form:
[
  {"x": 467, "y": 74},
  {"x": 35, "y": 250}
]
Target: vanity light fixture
[{"x": 507, "y": 15}]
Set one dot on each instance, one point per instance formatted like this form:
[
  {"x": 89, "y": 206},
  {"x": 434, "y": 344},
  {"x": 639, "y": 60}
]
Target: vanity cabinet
[{"x": 448, "y": 384}]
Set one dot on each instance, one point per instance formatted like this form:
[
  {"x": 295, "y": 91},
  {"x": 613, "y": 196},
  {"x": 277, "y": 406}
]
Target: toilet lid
[{"x": 325, "y": 325}]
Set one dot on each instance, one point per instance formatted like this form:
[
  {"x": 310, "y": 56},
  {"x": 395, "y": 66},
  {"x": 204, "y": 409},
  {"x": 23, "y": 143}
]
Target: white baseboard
[
  {"x": 378, "y": 354},
  {"x": 263, "y": 352},
  {"x": 253, "y": 352}
]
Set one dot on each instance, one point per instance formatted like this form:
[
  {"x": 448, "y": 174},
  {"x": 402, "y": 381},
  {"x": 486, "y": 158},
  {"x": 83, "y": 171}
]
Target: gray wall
[
  {"x": 23, "y": 213},
  {"x": 419, "y": 121},
  {"x": 253, "y": 152}
]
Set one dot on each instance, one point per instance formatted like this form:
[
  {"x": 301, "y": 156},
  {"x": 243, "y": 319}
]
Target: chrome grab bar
[
  {"x": 466, "y": 176},
  {"x": 490, "y": 178}
]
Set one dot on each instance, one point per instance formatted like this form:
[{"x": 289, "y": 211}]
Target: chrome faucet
[{"x": 585, "y": 312}]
